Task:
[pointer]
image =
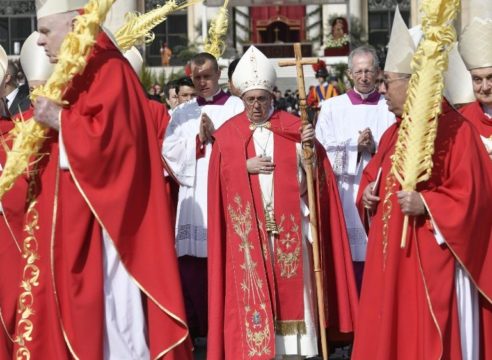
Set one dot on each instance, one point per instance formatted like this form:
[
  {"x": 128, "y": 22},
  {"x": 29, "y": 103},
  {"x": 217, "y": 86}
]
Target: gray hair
[{"x": 364, "y": 50}]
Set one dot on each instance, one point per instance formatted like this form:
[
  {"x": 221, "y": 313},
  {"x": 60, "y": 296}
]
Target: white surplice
[
  {"x": 337, "y": 129},
  {"x": 179, "y": 151},
  {"x": 297, "y": 344}
]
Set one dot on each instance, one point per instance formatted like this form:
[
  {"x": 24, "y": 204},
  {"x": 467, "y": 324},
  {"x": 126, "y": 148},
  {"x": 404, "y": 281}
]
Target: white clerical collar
[
  {"x": 211, "y": 98},
  {"x": 487, "y": 111},
  {"x": 364, "y": 96},
  {"x": 10, "y": 97}
]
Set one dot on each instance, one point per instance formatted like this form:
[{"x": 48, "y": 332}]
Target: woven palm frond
[
  {"x": 137, "y": 29},
  {"x": 215, "y": 43},
  {"x": 412, "y": 160},
  {"x": 29, "y": 135}
]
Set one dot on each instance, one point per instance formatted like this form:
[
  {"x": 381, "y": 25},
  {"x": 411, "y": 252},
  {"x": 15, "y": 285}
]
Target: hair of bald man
[
  {"x": 202, "y": 58},
  {"x": 364, "y": 50}
]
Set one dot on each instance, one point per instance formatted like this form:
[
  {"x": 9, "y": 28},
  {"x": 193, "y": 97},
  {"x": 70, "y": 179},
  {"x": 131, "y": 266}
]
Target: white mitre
[
  {"x": 4, "y": 62},
  {"x": 254, "y": 71},
  {"x": 402, "y": 46},
  {"x": 134, "y": 58},
  {"x": 476, "y": 44},
  {"x": 50, "y": 7},
  {"x": 458, "y": 87},
  {"x": 35, "y": 64},
  {"x": 132, "y": 55}
]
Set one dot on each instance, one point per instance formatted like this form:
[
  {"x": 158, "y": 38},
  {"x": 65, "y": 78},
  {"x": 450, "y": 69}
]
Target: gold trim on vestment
[
  {"x": 289, "y": 253},
  {"x": 52, "y": 258},
  {"x": 30, "y": 275},
  {"x": 457, "y": 258},
  {"x": 387, "y": 209},
  {"x": 290, "y": 327},
  {"x": 142, "y": 289},
  {"x": 427, "y": 295},
  {"x": 10, "y": 230},
  {"x": 254, "y": 300}
]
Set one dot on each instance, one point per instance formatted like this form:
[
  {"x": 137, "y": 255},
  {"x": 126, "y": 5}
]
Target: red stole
[{"x": 286, "y": 277}]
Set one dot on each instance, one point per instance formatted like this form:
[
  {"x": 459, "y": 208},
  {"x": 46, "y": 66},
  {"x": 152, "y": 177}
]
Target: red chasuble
[
  {"x": 408, "y": 306},
  {"x": 11, "y": 222},
  {"x": 249, "y": 297},
  {"x": 474, "y": 113},
  {"x": 115, "y": 183}
]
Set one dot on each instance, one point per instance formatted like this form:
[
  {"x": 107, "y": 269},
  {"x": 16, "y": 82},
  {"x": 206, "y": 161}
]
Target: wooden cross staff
[{"x": 308, "y": 164}]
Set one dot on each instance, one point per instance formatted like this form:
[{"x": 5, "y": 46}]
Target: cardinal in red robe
[
  {"x": 113, "y": 185},
  {"x": 431, "y": 299}
]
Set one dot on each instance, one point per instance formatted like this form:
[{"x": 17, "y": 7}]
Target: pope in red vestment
[
  {"x": 114, "y": 183},
  {"x": 249, "y": 300},
  {"x": 408, "y": 305}
]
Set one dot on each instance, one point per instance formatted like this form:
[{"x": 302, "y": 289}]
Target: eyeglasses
[
  {"x": 359, "y": 73},
  {"x": 387, "y": 81},
  {"x": 251, "y": 100}
]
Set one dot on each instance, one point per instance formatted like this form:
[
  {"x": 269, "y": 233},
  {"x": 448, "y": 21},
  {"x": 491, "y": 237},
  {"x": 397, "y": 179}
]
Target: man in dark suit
[{"x": 16, "y": 97}]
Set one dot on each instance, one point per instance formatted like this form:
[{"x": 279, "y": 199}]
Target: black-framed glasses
[
  {"x": 359, "y": 73},
  {"x": 251, "y": 100}
]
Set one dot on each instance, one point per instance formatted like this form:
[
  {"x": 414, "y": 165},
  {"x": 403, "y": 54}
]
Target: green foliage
[
  {"x": 146, "y": 77},
  {"x": 149, "y": 77},
  {"x": 340, "y": 71},
  {"x": 185, "y": 53}
]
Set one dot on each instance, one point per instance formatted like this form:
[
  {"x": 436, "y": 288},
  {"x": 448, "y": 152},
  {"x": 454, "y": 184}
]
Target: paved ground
[{"x": 201, "y": 352}]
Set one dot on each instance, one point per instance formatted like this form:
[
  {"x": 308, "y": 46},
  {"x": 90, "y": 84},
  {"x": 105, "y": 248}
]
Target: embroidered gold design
[
  {"x": 270, "y": 223},
  {"x": 290, "y": 327},
  {"x": 288, "y": 248},
  {"x": 30, "y": 275},
  {"x": 387, "y": 207},
  {"x": 256, "y": 316}
]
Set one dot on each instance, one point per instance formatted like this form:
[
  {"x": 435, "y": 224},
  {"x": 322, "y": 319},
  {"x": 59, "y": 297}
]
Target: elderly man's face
[
  {"x": 52, "y": 30},
  {"x": 482, "y": 85},
  {"x": 363, "y": 73},
  {"x": 258, "y": 104},
  {"x": 394, "y": 89}
]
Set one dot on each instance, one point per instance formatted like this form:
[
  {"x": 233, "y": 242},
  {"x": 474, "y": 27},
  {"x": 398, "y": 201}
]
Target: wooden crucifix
[{"x": 308, "y": 152}]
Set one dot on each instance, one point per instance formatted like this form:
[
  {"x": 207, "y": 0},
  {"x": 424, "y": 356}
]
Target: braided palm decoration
[
  {"x": 215, "y": 43},
  {"x": 412, "y": 160},
  {"x": 137, "y": 27},
  {"x": 29, "y": 135}
]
